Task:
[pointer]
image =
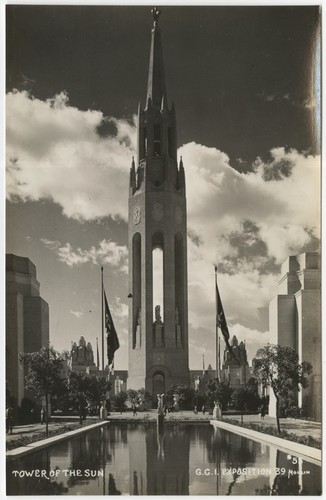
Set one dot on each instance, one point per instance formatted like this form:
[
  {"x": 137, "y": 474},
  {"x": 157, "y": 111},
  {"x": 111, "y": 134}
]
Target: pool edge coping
[
  {"x": 284, "y": 444},
  {"x": 43, "y": 443},
  {"x": 308, "y": 452}
]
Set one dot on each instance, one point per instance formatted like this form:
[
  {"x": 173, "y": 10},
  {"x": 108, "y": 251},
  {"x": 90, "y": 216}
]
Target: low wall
[
  {"x": 306, "y": 452},
  {"x": 38, "y": 445}
]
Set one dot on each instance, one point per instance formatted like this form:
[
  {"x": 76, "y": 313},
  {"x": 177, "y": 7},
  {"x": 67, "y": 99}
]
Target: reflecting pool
[{"x": 186, "y": 459}]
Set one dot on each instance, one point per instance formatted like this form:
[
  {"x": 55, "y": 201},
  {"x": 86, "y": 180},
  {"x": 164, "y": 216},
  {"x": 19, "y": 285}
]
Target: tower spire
[{"x": 156, "y": 89}]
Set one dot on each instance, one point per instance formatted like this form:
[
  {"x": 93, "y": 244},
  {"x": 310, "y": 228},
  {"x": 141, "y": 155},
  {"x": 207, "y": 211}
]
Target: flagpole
[
  {"x": 219, "y": 354},
  {"x": 97, "y": 357},
  {"x": 217, "y": 347},
  {"x": 102, "y": 294}
]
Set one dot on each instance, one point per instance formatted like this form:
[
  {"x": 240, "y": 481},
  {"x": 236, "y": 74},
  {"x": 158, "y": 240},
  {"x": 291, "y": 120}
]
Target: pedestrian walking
[
  {"x": 9, "y": 419},
  {"x": 195, "y": 410},
  {"x": 203, "y": 409},
  {"x": 134, "y": 410},
  {"x": 43, "y": 415}
]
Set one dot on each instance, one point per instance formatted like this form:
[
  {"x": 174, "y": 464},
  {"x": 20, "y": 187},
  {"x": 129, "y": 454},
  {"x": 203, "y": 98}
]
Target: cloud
[
  {"x": 78, "y": 314},
  {"x": 55, "y": 151},
  {"x": 119, "y": 310},
  {"x": 202, "y": 342},
  {"x": 310, "y": 102},
  {"x": 107, "y": 252},
  {"x": 245, "y": 223},
  {"x": 274, "y": 97},
  {"x": 255, "y": 339}
]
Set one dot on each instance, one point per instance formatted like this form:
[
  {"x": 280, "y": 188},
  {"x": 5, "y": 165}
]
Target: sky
[{"x": 245, "y": 82}]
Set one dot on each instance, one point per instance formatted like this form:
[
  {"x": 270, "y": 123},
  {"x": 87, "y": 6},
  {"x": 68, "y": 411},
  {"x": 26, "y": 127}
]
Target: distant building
[
  {"x": 82, "y": 357},
  {"x": 199, "y": 378},
  {"x": 27, "y": 322},
  {"x": 295, "y": 321},
  {"x": 118, "y": 381}
]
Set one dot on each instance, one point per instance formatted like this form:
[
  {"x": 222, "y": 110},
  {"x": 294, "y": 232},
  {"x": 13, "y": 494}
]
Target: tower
[{"x": 158, "y": 329}]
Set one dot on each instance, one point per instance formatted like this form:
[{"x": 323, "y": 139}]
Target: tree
[
  {"x": 42, "y": 374},
  {"x": 85, "y": 390},
  {"x": 97, "y": 390},
  {"x": 278, "y": 367},
  {"x": 184, "y": 393},
  {"x": 219, "y": 391},
  {"x": 199, "y": 399},
  {"x": 139, "y": 397},
  {"x": 133, "y": 397},
  {"x": 239, "y": 400},
  {"x": 145, "y": 398},
  {"x": 119, "y": 401}
]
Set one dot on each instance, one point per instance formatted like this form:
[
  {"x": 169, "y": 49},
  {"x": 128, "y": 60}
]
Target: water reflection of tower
[
  {"x": 168, "y": 462},
  {"x": 137, "y": 461},
  {"x": 158, "y": 465}
]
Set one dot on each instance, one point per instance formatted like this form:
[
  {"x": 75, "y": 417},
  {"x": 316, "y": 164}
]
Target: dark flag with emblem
[
  {"x": 97, "y": 355},
  {"x": 111, "y": 334},
  {"x": 220, "y": 318}
]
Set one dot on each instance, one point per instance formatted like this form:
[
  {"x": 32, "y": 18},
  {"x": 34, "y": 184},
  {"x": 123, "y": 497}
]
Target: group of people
[
  {"x": 10, "y": 417},
  {"x": 203, "y": 409}
]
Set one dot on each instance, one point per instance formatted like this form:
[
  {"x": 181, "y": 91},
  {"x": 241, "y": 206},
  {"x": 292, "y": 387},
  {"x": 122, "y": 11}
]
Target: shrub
[{"x": 272, "y": 431}]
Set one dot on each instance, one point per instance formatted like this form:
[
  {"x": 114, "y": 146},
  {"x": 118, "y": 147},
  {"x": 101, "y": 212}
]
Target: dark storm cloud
[
  {"x": 276, "y": 171},
  {"x": 107, "y": 128},
  {"x": 249, "y": 251}
]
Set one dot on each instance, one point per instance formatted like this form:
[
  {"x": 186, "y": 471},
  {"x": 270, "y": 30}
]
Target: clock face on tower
[{"x": 136, "y": 215}]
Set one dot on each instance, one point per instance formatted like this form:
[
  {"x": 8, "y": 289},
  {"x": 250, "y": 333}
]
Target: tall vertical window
[
  {"x": 179, "y": 276},
  {"x": 136, "y": 282},
  {"x": 157, "y": 140},
  {"x": 158, "y": 276}
]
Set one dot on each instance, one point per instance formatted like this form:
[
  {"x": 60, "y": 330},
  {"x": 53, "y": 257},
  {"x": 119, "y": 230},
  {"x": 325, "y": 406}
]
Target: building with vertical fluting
[
  {"x": 27, "y": 321},
  {"x": 295, "y": 321},
  {"x": 158, "y": 308}
]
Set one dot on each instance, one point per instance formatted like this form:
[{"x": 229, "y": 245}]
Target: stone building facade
[
  {"x": 27, "y": 322},
  {"x": 158, "y": 332},
  {"x": 295, "y": 321},
  {"x": 235, "y": 369},
  {"x": 82, "y": 357}
]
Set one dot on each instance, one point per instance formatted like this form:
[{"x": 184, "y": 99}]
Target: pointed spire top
[
  {"x": 156, "y": 89},
  {"x": 156, "y": 14}
]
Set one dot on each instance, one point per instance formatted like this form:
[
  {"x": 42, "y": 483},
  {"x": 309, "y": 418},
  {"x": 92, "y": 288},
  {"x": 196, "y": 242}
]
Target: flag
[
  {"x": 97, "y": 355},
  {"x": 221, "y": 320},
  {"x": 111, "y": 334}
]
